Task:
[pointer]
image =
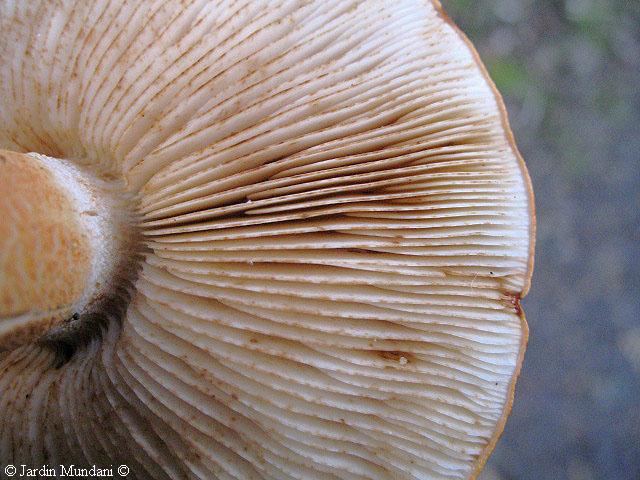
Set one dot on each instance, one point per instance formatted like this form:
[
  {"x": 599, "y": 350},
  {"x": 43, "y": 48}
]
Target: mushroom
[{"x": 256, "y": 240}]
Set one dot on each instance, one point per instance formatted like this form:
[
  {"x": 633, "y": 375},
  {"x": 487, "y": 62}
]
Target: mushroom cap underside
[{"x": 333, "y": 233}]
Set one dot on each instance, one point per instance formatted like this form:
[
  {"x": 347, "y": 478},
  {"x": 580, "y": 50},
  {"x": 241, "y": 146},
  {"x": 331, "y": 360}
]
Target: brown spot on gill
[
  {"x": 402, "y": 358},
  {"x": 364, "y": 251},
  {"x": 511, "y": 300}
]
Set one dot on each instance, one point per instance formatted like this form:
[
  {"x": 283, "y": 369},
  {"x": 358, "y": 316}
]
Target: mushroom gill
[{"x": 290, "y": 242}]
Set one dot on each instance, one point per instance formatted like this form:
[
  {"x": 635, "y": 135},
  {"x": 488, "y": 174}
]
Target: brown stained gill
[
  {"x": 401, "y": 358},
  {"x": 511, "y": 300},
  {"x": 80, "y": 329}
]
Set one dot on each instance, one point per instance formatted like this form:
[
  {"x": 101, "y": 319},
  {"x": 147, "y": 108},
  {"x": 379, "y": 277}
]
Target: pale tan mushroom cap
[{"x": 338, "y": 230}]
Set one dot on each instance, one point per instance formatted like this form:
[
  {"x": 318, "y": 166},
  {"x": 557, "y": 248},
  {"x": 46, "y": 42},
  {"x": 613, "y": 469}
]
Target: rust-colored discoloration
[
  {"x": 45, "y": 257},
  {"x": 402, "y": 358},
  {"x": 511, "y": 300}
]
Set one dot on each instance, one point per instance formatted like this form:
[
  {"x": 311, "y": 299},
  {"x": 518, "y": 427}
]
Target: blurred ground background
[{"x": 570, "y": 75}]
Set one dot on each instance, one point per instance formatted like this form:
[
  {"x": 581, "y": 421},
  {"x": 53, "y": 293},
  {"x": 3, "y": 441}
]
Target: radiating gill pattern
[{"x": 337, "y": 232}]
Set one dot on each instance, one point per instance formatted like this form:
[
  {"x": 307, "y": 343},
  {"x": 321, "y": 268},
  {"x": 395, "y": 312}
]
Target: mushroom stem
[{"x": 60, "y": 244}]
